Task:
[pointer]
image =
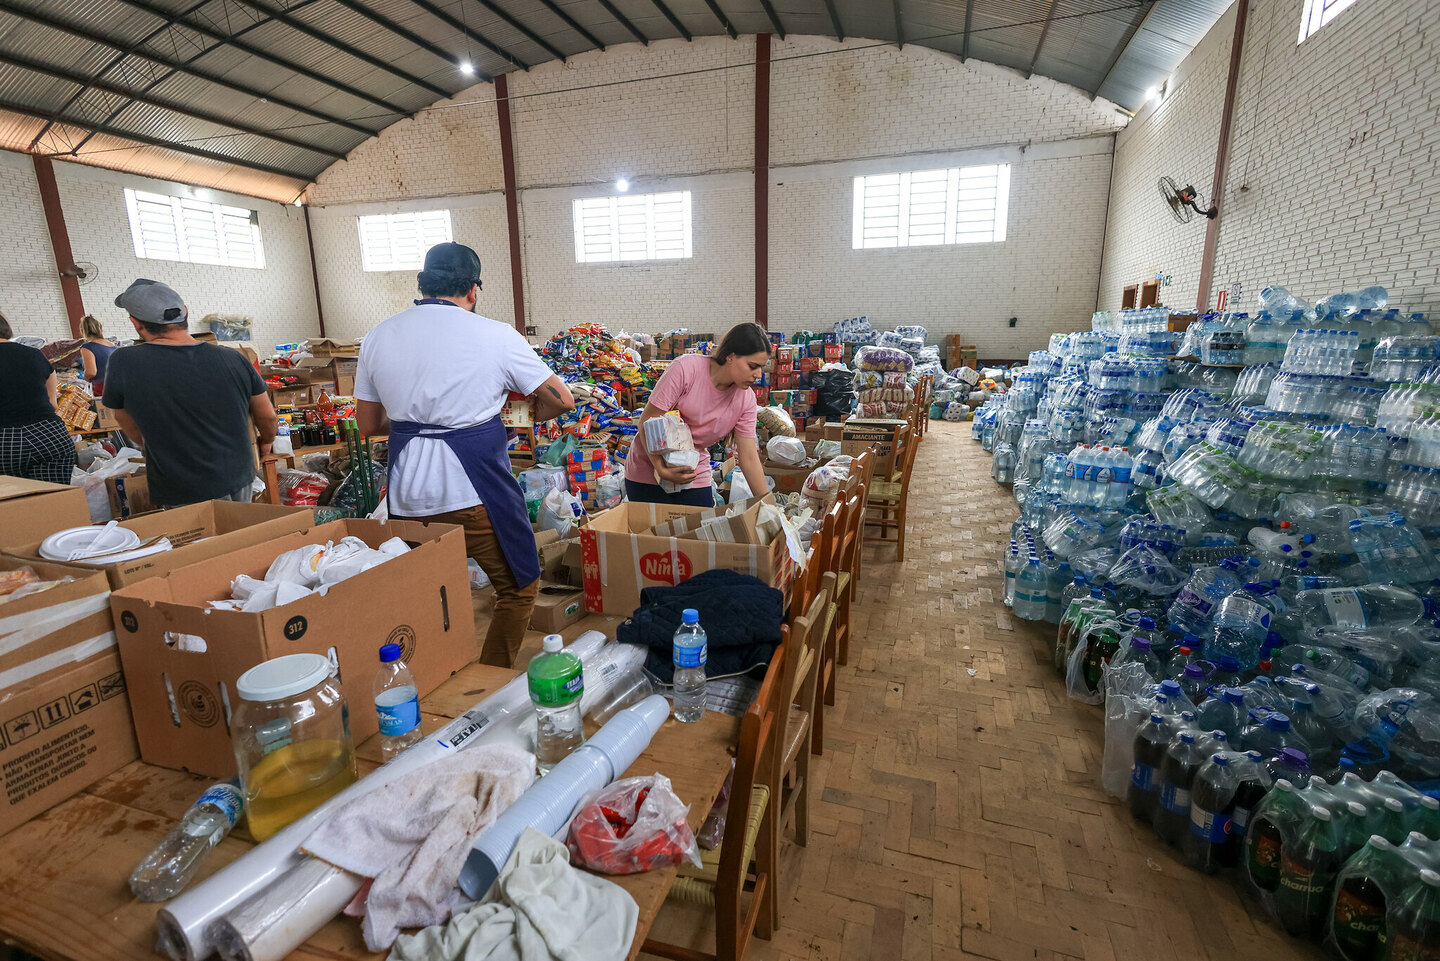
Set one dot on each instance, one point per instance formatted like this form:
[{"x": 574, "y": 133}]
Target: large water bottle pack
[{"x": 1235, "y": 529}]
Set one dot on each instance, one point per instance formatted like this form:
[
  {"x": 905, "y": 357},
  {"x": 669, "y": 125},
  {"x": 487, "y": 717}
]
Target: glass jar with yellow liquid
[{"x": 291, "y": 732}]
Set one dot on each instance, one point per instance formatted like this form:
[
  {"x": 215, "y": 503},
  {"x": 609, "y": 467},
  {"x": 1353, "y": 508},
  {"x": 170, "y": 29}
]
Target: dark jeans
[{"x": 655, "y": 494}]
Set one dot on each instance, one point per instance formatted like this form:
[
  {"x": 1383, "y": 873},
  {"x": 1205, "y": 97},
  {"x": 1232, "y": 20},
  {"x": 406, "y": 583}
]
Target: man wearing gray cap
[{"x": 189, "y": 405}]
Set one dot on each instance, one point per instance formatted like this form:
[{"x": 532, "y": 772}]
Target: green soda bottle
[{"x": 1377, "y": 871}]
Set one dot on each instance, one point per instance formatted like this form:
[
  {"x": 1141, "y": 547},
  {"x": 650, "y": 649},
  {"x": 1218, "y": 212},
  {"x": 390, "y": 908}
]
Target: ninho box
[
  {"x": 621, "y": 553},
  {"x": 65, "y": 722},
  {"x": 182, "y": 658}
]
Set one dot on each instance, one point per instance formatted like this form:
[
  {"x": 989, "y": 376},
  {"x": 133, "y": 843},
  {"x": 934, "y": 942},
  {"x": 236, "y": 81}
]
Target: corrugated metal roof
[{"x": 349, "y": 68}]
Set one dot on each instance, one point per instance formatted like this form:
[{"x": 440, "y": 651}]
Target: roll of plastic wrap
[
  {"x": 550, "y": 803},
  {"x": 184, "y": 924},
  {"x": 281, "y": 917}
]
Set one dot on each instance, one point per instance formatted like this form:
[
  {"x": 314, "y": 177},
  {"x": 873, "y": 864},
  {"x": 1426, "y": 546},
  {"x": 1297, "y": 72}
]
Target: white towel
[
  {"x": 539, "y": 909},
  {"x": 412, "y": 836}
]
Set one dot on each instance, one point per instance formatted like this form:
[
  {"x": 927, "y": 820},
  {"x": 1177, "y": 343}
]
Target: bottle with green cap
[{"x": 557, "y": 681}]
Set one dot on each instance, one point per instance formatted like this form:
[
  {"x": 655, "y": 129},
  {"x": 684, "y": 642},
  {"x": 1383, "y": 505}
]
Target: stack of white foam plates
[{"x": 98, "y": 544}]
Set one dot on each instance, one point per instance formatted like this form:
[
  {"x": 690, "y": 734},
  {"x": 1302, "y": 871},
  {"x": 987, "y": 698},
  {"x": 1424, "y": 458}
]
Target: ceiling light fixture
[
  {"x": 622, "y": 185},
  {"x": 467, "y": 67},
  {"x": 1150, "y": 94}
]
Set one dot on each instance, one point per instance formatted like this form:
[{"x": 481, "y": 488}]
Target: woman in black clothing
[{"x": 33, "y": 440}]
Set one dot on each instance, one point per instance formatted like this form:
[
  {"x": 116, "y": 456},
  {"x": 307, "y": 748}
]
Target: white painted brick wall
[
  {"x": 280, "y": 298},
  {"x": 1174, "y": 137},
  {"x": 832, "y": 105},
  {"x": 355, "y": 300},
  {"x": 30, "y": 295},
  {"x": 1332, "y": 162}
]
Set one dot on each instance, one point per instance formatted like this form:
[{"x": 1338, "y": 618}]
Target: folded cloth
[
  {"x": 741, "y": 616},
  {"x": 539, "y": 909},
  {"x": 412, "y": 835}
]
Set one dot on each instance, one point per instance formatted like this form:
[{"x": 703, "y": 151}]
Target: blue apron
[{"x": 481, "y": 450}]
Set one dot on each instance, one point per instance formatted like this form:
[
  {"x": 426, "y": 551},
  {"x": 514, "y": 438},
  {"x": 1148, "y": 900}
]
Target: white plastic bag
[
  {"x": 826, "y": 449},
  {"x": 1125, "y": 713},
  {"x": 786, "y": 451},
  {"x": 676, "y": 458},
  {"x": 559, "y": 512}
]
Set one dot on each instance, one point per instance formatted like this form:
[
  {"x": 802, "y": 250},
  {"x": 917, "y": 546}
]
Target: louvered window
[
  {"x": 194, "y": 231},
  {"x": 921, "y": 208},
  {"x": 632, "y": 227},
  {"x": 399, "y": 241}
]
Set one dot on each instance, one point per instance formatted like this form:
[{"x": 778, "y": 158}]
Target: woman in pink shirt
[{"x": 713, "y": 395}]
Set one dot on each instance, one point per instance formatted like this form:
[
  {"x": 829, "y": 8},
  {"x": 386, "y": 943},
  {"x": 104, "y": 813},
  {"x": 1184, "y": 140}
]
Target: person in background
[
  {"x": 434, "y": 378},
  {"x": 194, "y": 408},
  {"x": 95, "y": 353},
  {"x": 714, "y": 397},
  {"x": 33, "y": 440}
]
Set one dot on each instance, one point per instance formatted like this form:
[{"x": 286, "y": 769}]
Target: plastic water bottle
[
  {"x": 1241, "y": 626},
  {"x": 175, "y": 860},
  {"x": 397, "y": 702},
  {"x": 557, "y": 682},
  {"x": 1371, "y": 606},
  {"x": 689, "y": 656}
]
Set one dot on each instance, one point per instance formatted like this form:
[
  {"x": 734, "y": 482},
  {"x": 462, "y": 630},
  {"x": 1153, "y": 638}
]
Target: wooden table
[{"x": 63, "y": 876}]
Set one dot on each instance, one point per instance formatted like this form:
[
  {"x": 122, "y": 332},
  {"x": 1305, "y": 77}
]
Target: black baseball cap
[{"x": 455, "y": 264}]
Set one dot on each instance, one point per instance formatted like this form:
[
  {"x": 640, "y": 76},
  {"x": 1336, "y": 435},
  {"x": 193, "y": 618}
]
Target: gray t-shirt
[{"x": 192, "y": 403}]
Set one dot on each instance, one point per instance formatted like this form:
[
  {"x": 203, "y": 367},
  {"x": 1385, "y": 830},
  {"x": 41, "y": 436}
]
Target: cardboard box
[
  {"x": 858, "y": 436},
  {"x": 516, "y": 412},
  {"x": 290, "y": 396},
  {"x": 556, "y": 607},
  {"x": 66, "y": 719},
  {"x": 32, "y": 510},
  {"x": 620, "y": 555},
  {"x": 319, "y": 387},
  {"x": 105, "y": 418},
  {"x": 171, "y": 644},
  {"x": 128, "y": 495},
  {"x": 197, "y": 532},
  {"x": 330, "y": 347}
]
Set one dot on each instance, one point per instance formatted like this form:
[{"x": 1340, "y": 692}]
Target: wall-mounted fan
[
  {"x": 1182, "y": 201},
  {"x": 82, "y": 271}
]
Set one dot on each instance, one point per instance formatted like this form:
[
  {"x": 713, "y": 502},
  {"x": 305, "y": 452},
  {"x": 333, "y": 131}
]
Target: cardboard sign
[{"x": 182, "y": 659}]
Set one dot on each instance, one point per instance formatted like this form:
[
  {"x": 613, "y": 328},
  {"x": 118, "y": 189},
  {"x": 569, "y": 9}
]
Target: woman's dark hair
[
  {"x": 5, "y": 332},
  {"x": 743, "y": 339}
]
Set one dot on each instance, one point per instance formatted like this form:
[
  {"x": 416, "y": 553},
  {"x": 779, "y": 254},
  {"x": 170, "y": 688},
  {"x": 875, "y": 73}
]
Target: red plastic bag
[{"x": 633, "y": 825}]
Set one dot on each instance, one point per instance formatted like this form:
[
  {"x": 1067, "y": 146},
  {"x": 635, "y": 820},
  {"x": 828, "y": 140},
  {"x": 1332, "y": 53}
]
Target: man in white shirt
[{"x": 434, "y": 378}]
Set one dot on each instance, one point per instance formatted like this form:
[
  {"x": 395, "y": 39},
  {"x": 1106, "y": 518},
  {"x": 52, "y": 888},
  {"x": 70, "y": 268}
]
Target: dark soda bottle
[
  {"x": 1183, "y": 758},
  {"x": 1358, "y": 919},
  {"x": 1254, "y": 783},
  {"x": 1415, "y": 933},
  {"x": 1101, "y": 642},
  {"x": 1209, "y": 845},
  {"x": 1144, "y": 790},
  {"x": 1264, "y": 839},
  {"x": 1308, "y": 865}
]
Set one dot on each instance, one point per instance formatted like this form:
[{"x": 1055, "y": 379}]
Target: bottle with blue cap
[
  {"x": 397, "y": 702},
  {"x": 689, "y": 657}
]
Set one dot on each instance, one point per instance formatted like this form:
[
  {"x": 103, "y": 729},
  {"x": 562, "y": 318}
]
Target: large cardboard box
[
  {"x": 197, "y": 532},
  {"x": 32, "y": 510},
  {"x": 621, "y": 554},
  {"x": 65, "y": 720},
  {"x": 182, "y": 659},
  {"x": 330, "y": 347}
]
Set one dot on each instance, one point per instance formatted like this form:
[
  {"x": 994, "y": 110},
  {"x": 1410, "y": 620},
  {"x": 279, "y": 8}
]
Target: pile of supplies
[
  {"x": 669, "y": 436},
  {"x": 1239, "y": 550}
]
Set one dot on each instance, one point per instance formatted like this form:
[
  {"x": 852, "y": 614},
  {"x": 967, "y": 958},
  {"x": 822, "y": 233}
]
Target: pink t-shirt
[{"x": 710, "y": 414}]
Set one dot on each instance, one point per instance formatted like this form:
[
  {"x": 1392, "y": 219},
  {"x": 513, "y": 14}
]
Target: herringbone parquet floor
[{"x": 957, "y": 811}]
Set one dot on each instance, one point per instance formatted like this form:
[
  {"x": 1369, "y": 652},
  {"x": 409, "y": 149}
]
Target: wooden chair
[
  {"x": 750, "y": 836},
  {"x": 832, "y": 532},
  {"x": 847, "y": 562},
  {"x": 804, "y": 645},
  {"x": 895, "y": 463},
  {"x": 862, "y": 473},
  {"x": 886, "y": 504}
]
